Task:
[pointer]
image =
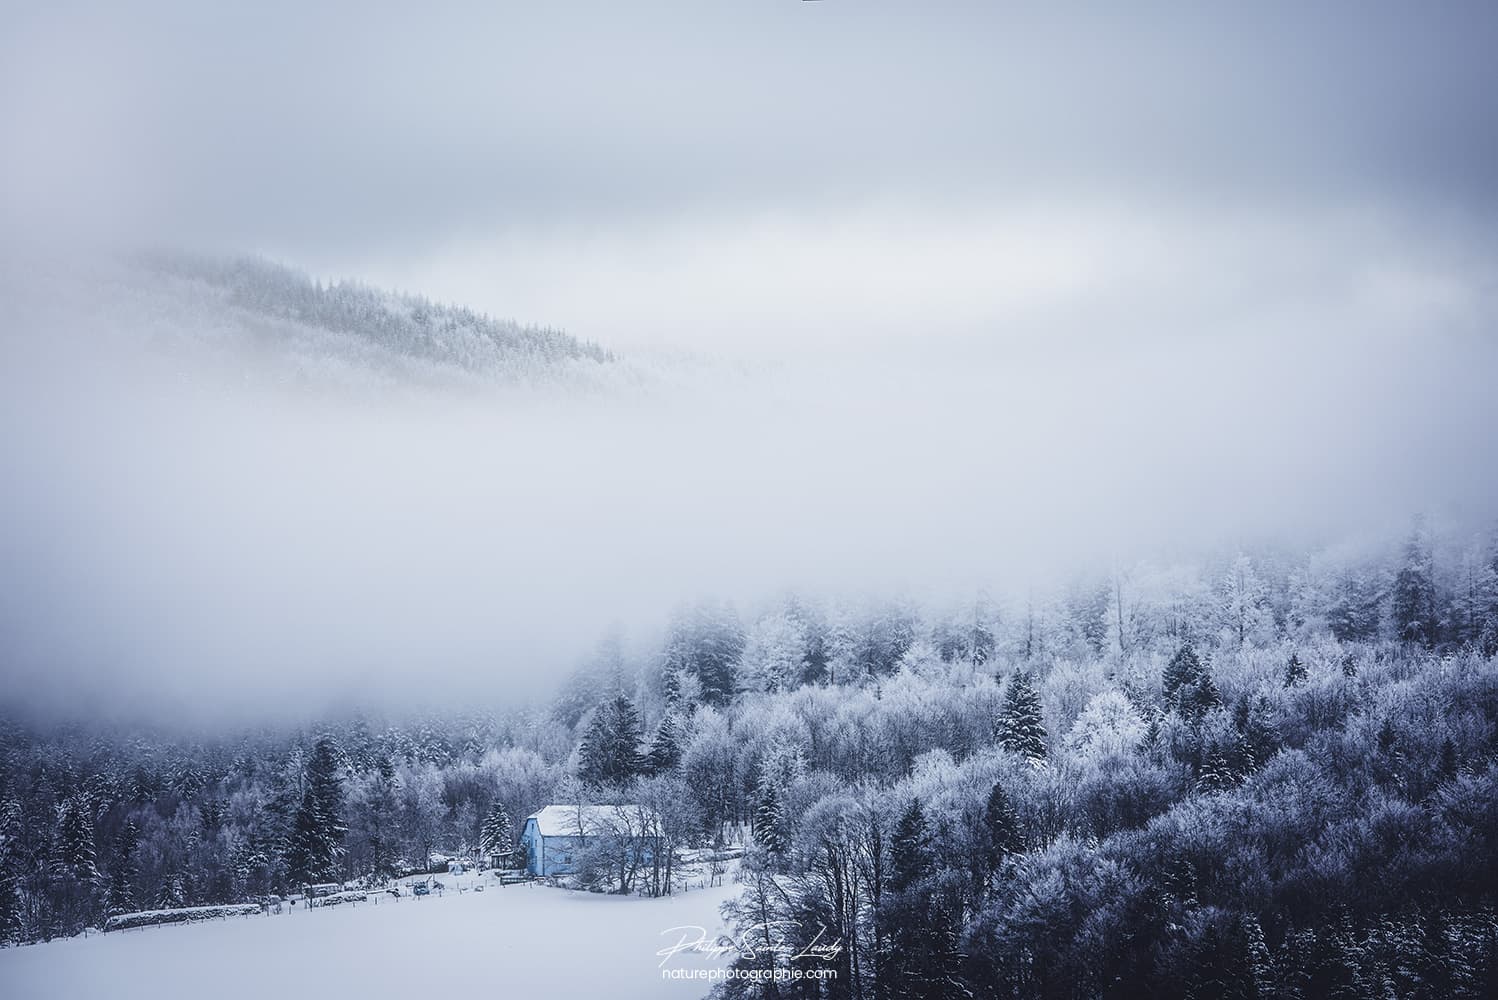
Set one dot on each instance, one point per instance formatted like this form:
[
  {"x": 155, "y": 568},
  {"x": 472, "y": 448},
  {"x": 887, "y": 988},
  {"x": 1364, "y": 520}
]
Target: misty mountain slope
[
  {"x": 252, "y": 321},
  {"x": 283, "y": 308},
  {"x": 405, "y": 325}
]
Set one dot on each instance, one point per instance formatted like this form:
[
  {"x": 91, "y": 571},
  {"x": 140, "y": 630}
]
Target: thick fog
[{"x": 901, "y": 299}]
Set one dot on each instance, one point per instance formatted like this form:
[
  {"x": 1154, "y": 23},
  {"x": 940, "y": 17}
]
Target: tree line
[{"x": 1265, "y": 775}]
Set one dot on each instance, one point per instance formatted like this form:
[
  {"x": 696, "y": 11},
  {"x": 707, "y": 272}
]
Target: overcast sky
[
  {"x": 1016, "y": 289},
  {"x": 737, "y": 176}
]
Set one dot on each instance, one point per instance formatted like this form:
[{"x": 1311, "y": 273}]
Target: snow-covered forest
[
  {"x": 1263, "y": 774},
  {"x": 269, "y": 322},
  {"x": 797, "y": 501},
  {"x": 404, "y": 325}
]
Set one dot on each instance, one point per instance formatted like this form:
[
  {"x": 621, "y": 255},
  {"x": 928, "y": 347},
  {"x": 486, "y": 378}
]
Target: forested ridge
[
  {"x": 1268, "y": 774},
  {"x": 387, "y": 326}
]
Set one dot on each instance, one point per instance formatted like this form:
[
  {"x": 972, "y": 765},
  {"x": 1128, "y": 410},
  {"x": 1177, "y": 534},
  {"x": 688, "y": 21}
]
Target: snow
[
  {"x": 562, "y": 821},
  {"x": 518, "y": 940}
]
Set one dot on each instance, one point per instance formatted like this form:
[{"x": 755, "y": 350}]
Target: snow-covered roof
[{"x": 563, "y": 821}]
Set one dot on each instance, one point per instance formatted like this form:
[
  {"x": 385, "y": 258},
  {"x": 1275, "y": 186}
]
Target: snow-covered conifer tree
[{"x": 1019, "y": 726}]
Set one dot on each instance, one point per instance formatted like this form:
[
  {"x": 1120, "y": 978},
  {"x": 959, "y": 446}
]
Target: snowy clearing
[{"x": 516, "y": 940}]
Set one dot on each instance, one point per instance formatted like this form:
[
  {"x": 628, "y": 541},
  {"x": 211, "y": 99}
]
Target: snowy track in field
[{"x": 523, "y": 940}]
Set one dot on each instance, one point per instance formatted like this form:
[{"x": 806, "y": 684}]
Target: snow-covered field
[{"x": 521, "y": 940}]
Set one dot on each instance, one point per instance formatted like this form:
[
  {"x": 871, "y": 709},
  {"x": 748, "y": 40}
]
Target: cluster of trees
[
  {"x": 1322, "y": 831},
  {"x": 1266, "y": 776},
  {"x": 1229, "y": 796},
  {"x": 96, "y": 821},
  {"x": 407, "y": 326}
]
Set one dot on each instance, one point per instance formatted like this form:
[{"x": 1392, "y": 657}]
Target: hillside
[
  {"x": 254, "y": 320},
  {"x": 405, "y": 326}
]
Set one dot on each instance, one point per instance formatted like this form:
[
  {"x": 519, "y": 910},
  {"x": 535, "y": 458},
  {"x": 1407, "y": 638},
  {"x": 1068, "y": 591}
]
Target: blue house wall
[
  {"x": 548, "y": 855},
  {"x": 553, "y": 855}
]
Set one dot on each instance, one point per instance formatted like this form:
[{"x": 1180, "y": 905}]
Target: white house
[{"x": 552, "y": 835}]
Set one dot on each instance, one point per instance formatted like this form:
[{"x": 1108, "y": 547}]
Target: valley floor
[{"x": 525, "y": 940}]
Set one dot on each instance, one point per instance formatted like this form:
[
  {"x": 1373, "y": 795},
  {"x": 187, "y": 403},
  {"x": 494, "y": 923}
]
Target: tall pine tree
[
  {"x": 10, "y": 870},
  {"x": 706, "y": 643},
  {"x": 318, "y": 828},
  {"x": 498, "y": 831},
  {"x": 922, "y": 961},
  {"x": 1001, "y": 828},
  {"x": 1019, "y": 727},
  {"x": 76, "y": 852},
  {"x": 665, "y": 747},
  {"x": 1412, "y": 601},
  {"x": 124, "y": 870},
  {"x": 1184, "y": 668},
  {"x": 1188, "y": 684},
  {"x": 769, "y": 816},
  {"x": 610, "y": 750}
]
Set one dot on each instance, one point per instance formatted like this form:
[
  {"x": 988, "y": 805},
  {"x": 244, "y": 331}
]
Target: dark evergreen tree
[
  {"x": 1335, "y": 966},
  {"x": 76, "y": 851},
  {"x": 1195, "y": 699},
  {"x": 1220, "y": 966},
  {"x": 903, "y": 906},
  {"x": 769, "y": 817},
  {"x": 1001, "y": 829},
  {"x": 1150, "y": 744},
  {"x": 309, "y": 856},
  {"x": 942, "y": 978},
  {"x": 908, "y": 863},
  {"x": 1295, "y": 671},
  {"x": 665, "y": 748},
  {"x": 318, "y": 828},
  {"x": 706, "y": 642},
  {"x": 11, "y": 865},
  {"x": 671, "y": 689},
  {"x": 124, "y": 870},
  {"x": 173, "y": 891},
  {"x": 1178, "y": 880},
  {"x": 211, "y": 811},
  {"x": 1258, "y": 737},
  {"x": 1216, "y": 771},
  {"x": 1019, "y": 726},
  {"x": 1261, "y": 978},
  {"x": 376, "y": 815},
  {"x": 593, "y": 748},
  {"x": 75, "y": 864},
  {"x": 1412, "y": 600},
  {"x": 1184, "y": 669},
  {"x": 922, "y": 960},
  {"x": 1449, "y": 763},
  {"x": 1388, "y": 742},
  {"x": 610, "y": 750},
  {"x": 1353, "y": 615}
]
